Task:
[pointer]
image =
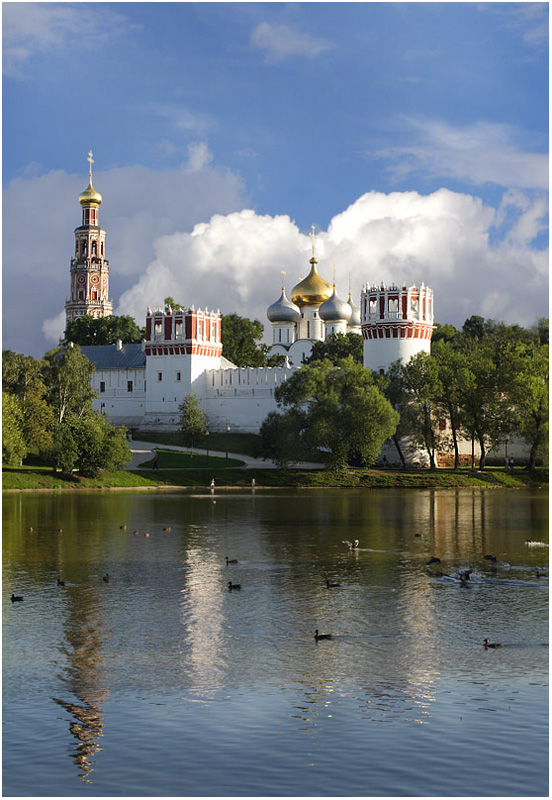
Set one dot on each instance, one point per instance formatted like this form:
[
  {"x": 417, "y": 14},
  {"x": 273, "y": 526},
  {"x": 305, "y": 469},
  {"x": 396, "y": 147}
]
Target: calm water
[{"x": 161, "y": 682}]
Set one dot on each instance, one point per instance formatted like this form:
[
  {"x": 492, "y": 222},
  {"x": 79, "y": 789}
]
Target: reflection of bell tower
[{"x": 89, "y": 266}]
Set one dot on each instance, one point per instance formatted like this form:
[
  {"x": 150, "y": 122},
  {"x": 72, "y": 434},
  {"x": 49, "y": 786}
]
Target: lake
[{"x": 160, "y": 681}]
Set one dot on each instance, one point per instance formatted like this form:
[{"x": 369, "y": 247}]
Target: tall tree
[
  {"x": 338, "y": 346},
  {"x": 68, "y": 377},
  {"x": 90, "y": 330},
  {"x": 22, "y": 378},
  {"x": 530, "y": 396},
  {"x": 341, "y": 409},
  {"x": 14, "y": 447},
  {"x": 240, "y": 341},
  {"x": 421, "y": 387},
  {"x": 193, "y": 422}
]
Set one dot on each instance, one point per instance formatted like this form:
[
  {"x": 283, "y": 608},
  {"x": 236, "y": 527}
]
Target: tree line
[{"x": 47, "y": 411}]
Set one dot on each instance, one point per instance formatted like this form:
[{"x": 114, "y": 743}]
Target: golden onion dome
[
  {"x": 90, "y": 197},
  {"x": 312, "y": 290}
]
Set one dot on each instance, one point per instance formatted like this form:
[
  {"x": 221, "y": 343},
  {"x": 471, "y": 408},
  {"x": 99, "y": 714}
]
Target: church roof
[{"x": 107, "y": 356}]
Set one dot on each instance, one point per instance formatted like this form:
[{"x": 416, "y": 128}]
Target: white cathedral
[{"x": 143, "y": 385}]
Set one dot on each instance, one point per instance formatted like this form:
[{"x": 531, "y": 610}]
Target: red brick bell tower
[{"x": 89, "y": 266}]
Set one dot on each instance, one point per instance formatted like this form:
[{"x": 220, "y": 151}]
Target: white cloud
[
  {"x": 54, "y": 28},
  {"x": 478, "y": 259},
  {"x": 233, "y": 262},
  {"x": 280, "y": 42},
  {"x": 480, "y": 153}
]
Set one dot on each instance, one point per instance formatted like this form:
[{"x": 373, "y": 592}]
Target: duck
[
  {"x": 233, "y": 586},
  {"x": 464, "y": 575},
  {"x": 487, "y": 644},
  {"x": 231, "y": 560},
  {"x": 60, "y": 530},
  {"x": 60, "y": 582},
  {"x": 490, "y": 558},
  {"x": 319, "y": 636},
  {"x": 30, "y": 530},
  {"x": 16, "y": 598},
  {"x": 106, "y": 577},
  {"x": 433, "y": 560},
  {"x": 146, "y": 535},
  {"x": 351, "y": 545},
  {"x": 332, "y": 585},
  {"x": 167, "y": 529},
  {"x": 122, "y": 527}
]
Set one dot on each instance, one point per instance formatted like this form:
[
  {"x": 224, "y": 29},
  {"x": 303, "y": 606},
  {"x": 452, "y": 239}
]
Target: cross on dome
[{"x": 91, "y": 161}]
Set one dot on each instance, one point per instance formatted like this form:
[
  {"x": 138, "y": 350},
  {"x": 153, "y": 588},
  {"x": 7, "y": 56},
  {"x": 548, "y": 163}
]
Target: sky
[{"x": 412, "y": 136}]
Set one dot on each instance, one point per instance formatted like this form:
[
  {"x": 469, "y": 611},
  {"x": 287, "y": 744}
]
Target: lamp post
[
  {"x": 227, "y": 431},
  {"x": 207, "y": 442}
]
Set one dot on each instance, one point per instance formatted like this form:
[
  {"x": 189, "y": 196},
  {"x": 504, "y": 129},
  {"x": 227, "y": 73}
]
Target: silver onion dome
[
  {"x": 355, "y": 321},
  {"x": 283, "y": 310},
  {"x": 335, "y": 310}
]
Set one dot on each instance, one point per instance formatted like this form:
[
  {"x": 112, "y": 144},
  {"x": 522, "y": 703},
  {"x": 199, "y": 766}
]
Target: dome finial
[
  {"x": 333, "y": 270},
  {"x": 283, "y": 278},
  {"x": 91, "y": 161},
  {"x": 313, "y": 240}
]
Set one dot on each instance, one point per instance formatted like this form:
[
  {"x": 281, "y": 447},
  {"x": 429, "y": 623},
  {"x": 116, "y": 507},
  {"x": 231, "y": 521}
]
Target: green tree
[
  {"x": 193, "y": 423},
  {"x": 14, "y": 448},
  {"x": 338, "y": 346},
  {"x": 68, "y": 376},
  {"x": 530, "y": 396},
  {"x": 22, "y": 378},
  {"x": 90, "y": 330},
  {"x": 282, "y": 437},
  {"x": 453, "y": 377},
  {"x": 341, "y": 409},
  {"x": 240, "y": 341},
  {"x": 87, "y": 443},
  {"x": 420, "y": 388}
]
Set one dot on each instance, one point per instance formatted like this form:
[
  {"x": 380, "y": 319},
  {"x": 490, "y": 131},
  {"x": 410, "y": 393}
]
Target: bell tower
[{"x": 89, "y": 266}]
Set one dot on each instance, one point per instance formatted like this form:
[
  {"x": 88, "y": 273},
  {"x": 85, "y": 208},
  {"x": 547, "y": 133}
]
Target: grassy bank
[{"x": 42, "y": 478}]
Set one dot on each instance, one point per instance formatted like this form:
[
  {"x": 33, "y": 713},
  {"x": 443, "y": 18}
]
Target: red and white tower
[
  {"x": 396, "y": 322},
  {"x": 89, "y": 266}
]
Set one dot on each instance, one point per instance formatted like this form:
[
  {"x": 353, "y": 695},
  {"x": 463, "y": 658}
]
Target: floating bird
[
  {"x": 30, "y": 530},
  {"x": 491, "y": 558},
  {"x": 135, "y": 533},
  {"x": 60, "y": 583},
  {"x": 417, "y": 535},
  {"x": 487, "y": 644},
  {"x": 146, "y": 535},
  {"x": 167, "y": 529},
  {"x": 122, "y": 527},
  {"x": 15, "y": 598},
  {"x": 433, "y": 560},
  {"x": 106, "y": 577},
  {"x": 351, "y": 545},
  {"x": 231, "y": 560},
  {"x": 233, "y": 586},
  {"x": 319, "y": 636},
  {"x": 464, "y": 575},
  {"x": 60, "y": 530},
  {"x": 332, "y": 585}
]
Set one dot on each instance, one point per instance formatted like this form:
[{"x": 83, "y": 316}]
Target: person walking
[{"x": 155, "y": 464}]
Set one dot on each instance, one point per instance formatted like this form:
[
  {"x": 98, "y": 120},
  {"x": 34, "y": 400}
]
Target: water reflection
[{"x": 83, "y": 678}]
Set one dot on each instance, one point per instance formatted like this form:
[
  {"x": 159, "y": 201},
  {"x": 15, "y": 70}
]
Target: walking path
[{"x": 143, "y": 451}]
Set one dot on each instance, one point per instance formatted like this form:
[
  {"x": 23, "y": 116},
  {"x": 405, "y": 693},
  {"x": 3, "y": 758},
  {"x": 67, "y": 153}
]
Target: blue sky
[{"x": 414, "y": 136}]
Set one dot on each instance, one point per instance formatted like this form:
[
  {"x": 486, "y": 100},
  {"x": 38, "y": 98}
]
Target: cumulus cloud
[
  {"x": 187, "y": 233},
  {"x": 280, "y": 42},
  {"x": 29, "y": 29},
  {"x": 482, "y": 153},
  {"x": 233, "y": 262}
]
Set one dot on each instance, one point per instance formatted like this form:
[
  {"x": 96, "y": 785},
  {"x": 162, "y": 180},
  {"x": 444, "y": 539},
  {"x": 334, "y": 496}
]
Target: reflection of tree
[{"x": 83, "y": 679}]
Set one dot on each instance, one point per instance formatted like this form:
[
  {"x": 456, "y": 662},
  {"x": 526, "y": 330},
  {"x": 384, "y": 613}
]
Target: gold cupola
[
  {"x": 312, "y": 290},
  {"x": 90, "y": 197}
]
